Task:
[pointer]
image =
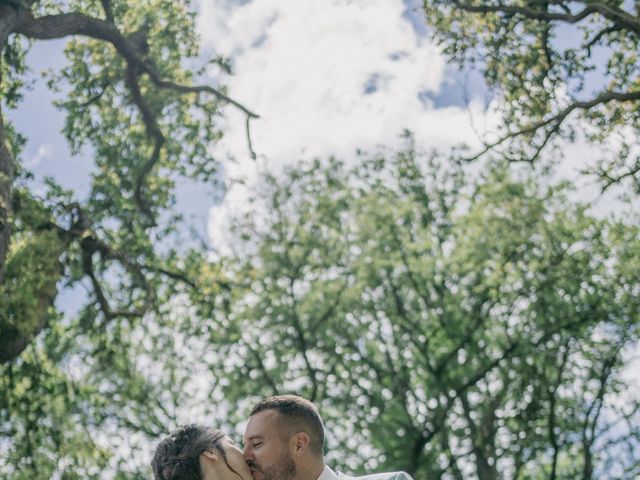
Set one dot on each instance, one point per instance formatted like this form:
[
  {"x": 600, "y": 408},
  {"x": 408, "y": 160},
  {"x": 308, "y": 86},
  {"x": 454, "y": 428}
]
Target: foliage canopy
[
  {"x": 132, "y": 100},
  {"x": 128, "y": 87},
  {"x": 459, "y": 328},
  {"x": 563, "y": 69}
]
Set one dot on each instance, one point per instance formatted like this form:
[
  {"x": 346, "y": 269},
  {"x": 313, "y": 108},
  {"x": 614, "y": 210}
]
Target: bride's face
[{"x": 235, "y": 462}]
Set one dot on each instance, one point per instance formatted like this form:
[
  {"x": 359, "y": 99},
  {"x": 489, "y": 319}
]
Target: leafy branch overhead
[
  {"x": 565, "y": 70},
  {"x": 132, "y": 103}
]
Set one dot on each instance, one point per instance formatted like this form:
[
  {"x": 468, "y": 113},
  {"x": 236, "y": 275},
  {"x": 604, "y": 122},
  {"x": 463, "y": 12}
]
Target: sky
[{"x": 327, "y": 77}]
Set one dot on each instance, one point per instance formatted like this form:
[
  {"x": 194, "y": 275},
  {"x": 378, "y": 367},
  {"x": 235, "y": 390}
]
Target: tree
[
  {"x": 564, "y": 70},
  {"x": 134, "y": 103},
  {"x": 128, "y": 88},
  {"x": 449, "y": 327}
]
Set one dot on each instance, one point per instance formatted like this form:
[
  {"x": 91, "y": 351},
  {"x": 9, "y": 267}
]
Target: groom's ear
[{"x": 301, "y": 443}]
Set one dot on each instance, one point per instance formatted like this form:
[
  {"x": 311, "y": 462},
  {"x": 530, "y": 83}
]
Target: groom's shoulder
[{"x": 379, "y": 476}]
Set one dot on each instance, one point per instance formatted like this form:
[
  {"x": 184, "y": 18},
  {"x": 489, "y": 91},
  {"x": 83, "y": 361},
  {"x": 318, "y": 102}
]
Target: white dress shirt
[{"x": 328, "y": 474}]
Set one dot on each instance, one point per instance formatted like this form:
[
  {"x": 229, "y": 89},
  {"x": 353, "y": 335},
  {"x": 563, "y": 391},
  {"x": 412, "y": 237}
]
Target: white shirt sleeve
[{"x": 402, "y": 476}]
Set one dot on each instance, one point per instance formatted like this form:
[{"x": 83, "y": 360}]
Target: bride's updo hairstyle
[{"x": 177, "y": 457}]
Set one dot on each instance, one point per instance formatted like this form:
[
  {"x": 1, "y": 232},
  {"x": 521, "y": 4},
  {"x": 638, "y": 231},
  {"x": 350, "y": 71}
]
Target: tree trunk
[
  {"x": 6, "y": 179},
  {"x": 8, "y": 18},
  {"x": 33, "y": 270}
]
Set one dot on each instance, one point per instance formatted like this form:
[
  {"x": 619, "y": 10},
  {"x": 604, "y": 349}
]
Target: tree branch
[
  {"x": 554, "y": 122},
  {"x": 596, "y": 39},
  {"x": 108, "y": 11},
  {"x": 591, "y": 421},
  {"x": 103, "y": 89},
  {"x": 551, "y": 425},
  {"x": 613, "y": 179},
  {"x": 62, "y": 25},
  {"x": 91, "y": 245},
  {"x": 303, "y": 343},
  {"x": 614, "y": 14},
  {"x": 154, "y": 132}
]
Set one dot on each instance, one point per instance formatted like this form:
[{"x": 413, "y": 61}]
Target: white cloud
[
  {"x": 326, "y": 77},
  {"x": 330, "y": 76},
  {"x": 44, "y": 151},
  {"x": 306, "y": 68}
]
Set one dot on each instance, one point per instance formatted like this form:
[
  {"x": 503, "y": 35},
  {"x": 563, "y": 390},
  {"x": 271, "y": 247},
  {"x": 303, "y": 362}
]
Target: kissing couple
[{"x": 284, "y": 440}]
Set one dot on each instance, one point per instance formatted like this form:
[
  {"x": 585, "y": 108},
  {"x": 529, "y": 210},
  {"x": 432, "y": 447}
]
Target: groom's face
[{"x": 266, "y": 447}]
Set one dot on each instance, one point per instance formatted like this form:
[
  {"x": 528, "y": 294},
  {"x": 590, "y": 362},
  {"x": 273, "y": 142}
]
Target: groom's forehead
[{"x": 261, "y": 423}]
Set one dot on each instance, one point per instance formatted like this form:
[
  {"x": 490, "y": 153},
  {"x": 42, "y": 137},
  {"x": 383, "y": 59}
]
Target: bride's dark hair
[{"x": 177, "y": 457}]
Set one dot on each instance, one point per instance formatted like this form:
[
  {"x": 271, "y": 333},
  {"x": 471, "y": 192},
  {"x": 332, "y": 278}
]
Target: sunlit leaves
[
  {"x": 431, "y": 316},
  {"x": 544, "y": 57}
]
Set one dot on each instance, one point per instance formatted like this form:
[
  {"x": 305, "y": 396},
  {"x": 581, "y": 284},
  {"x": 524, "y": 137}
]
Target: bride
[{"x": 196, "y": 452}]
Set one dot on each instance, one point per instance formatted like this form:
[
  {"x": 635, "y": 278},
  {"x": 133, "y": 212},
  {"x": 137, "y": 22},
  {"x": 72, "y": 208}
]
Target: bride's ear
[{"x": 211, "y": 455}]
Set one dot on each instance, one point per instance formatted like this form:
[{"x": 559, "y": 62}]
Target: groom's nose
[{"x": 247, "y": 451}]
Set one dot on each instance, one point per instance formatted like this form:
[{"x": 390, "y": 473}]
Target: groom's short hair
[{"x": 297, "y": 414}]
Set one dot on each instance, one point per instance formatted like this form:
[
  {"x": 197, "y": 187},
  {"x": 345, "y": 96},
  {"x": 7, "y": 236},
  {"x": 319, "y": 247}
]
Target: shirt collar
[{"x": 328, "y": 474}]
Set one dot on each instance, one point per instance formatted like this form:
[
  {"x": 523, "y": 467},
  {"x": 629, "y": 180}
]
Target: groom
[{"x": 284, "y": 440}]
